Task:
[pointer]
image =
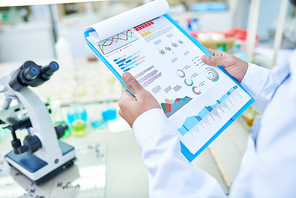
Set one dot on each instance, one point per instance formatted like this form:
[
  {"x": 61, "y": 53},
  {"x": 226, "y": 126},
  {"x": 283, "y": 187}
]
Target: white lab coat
[{"x": 268, "y": 168}]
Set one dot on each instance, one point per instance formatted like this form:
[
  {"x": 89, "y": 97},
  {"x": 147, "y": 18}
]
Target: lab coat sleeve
[
  {"x": 261, "y": 84},
  {"x": 170, "y": 174}
]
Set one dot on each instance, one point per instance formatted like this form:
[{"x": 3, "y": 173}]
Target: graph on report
[
  {"x": 117, "y": 41},
  {"x": 172, "y": 106},
  {"x": 132, "y": 58},
  {"x": 199, "y": 123},
  {"x": 212, "y": 74},
  {"x": 151, "y": 27}
]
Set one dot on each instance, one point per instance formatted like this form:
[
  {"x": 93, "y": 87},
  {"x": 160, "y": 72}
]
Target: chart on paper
[
  {"x": 203, "y": 122},
  {"x": 129, "y": 59},
  {"x": 151, "y": 27},
  {"x": 197, "y": 124},
  {"x": 172, "y": 106},
  {"x": 115, "y": 42}
]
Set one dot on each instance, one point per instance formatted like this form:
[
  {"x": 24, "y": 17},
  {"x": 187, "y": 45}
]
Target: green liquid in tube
[{"x": 79, "y": 127}]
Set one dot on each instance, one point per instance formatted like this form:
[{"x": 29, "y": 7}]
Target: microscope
[{"x": 41, "y": 156}]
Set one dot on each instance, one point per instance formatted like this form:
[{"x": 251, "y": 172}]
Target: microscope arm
[{"x": 40, "y": 119}]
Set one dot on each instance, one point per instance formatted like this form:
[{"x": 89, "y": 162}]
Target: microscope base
[
  {"x": 51, "y": 174},
  {"x": 38, "y": 170}
]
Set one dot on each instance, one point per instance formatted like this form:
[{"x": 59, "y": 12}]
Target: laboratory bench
[
  {"x": 126, "y": 175},
  {"x": 123, "y": 173}
]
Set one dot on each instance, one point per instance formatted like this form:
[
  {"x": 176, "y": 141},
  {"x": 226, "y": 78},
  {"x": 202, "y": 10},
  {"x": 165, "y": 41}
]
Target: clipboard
[{"x": 121, "y": 63}]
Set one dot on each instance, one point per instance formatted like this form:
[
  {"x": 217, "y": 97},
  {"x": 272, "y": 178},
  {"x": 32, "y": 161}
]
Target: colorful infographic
[
  {"x": 212, "y": 74},
  {"x": 181, "y": 73},
  {"x": 212, "y": 111},
  {"x": 117, "y": 41},
  {"x": 151, "y": 27},
  {"x": 172, "y": 106},
  {"x": 198, "y": 99},
  {"x": 128, "y": 62},
  {"x": 196, "y": 90}
]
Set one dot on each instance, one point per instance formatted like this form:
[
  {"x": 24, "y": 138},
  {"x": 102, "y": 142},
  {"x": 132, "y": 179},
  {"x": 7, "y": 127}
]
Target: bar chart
[
  {"x": 127, "y": 62},
  {"x": 151, "y": 27}
]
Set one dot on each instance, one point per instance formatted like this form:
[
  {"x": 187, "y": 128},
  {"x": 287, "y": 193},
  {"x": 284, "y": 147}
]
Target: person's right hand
[{"x": 236, "y": 67}]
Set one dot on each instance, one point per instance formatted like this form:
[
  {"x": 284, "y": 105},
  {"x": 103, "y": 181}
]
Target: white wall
[{"x": 28, "y": 41}]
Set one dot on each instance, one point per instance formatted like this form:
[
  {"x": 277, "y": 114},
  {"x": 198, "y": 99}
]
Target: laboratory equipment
[
  {"x": 77, "y": 117},
  {"x": 109, "y": 114},
  {"x": 42, "y": 155},
  {"x": 95, "y": 114},
  {"x": 79, "y": 127},
  {"x": 98, "y": 123},
  {"x": 96, "y": 119},
  {"x": 86, "y": 178},
  {"x": 109, "y": 111}
]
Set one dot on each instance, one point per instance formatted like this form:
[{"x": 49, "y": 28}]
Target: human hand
[
  {"x": 236, "y": 67},
  {"x": 131, "y": 107}
]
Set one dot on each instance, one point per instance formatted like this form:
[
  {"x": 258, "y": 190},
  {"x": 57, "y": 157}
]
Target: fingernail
[{"x": 126, "y": 76}]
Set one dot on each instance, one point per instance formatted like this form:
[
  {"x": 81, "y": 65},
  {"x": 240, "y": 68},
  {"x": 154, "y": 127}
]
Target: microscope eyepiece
[
  {"x": 45, "y": 73},
  {"x": 24, "y": 76},
  {"x": 54, "y": 65},
  {"x": 31, "y": 72},
  {"x": 50, "y": 68}
]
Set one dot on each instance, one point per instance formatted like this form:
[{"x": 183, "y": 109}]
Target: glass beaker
[
  {"x": 97, "y": 121},
  {"x": 109, "y": 112},
  {"x": 78, "y": 127},
  {"x": 77, "y": 117}
]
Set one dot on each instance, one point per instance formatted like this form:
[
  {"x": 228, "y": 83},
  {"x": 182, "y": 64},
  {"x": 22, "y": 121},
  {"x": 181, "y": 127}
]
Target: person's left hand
[{"x": 131, "y": 107}]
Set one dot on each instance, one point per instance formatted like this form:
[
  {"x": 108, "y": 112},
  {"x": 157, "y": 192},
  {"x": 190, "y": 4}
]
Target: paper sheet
[{"x": 126, "y": 20}]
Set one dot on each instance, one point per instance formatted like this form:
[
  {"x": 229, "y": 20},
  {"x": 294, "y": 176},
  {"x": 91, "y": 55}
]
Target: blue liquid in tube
[
  {"x": 109, "y": 114},
  {"x": 76, "y": 113},
  {"x": 98, "y": 124}
]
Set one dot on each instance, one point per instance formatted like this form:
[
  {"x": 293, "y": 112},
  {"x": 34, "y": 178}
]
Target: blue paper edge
[
  {"x": 191, "y": 156},
  {"x": 184, "y": 150}
]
